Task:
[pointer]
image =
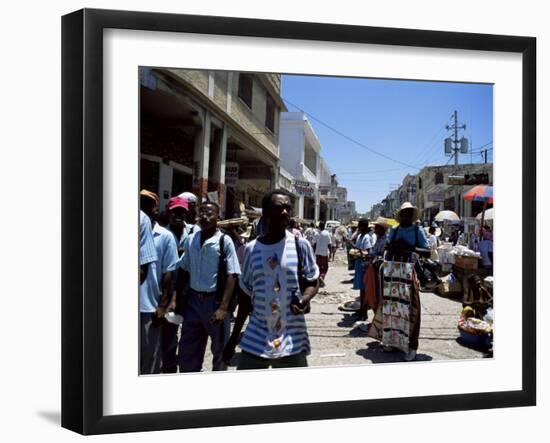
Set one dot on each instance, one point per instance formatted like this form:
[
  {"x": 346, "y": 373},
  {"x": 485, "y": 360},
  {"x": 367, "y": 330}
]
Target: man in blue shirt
[
  {"x": 149, "y": 338},
  {"x": 167, "y": 253},
  {"x": 206, "y": 302}
]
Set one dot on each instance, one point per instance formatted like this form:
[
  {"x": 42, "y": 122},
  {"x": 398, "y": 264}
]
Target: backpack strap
[
  {"x": 298, "y": 253},
  {"x": 221, "y": 264}
]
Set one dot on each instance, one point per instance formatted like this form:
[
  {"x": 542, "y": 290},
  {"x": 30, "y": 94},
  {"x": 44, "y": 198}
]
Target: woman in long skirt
[{"x": 397, "y": 320}]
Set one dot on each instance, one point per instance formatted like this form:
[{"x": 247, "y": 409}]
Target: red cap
[{"x": 177, "y": 202}]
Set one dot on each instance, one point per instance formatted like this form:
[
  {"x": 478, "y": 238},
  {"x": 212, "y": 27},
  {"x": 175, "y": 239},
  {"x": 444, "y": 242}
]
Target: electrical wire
[{"x": 341, "y": 134}]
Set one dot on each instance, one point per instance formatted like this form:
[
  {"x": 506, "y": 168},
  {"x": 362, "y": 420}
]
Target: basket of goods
[
  {"x": 233, "y": 222},
  {"x": 355, "y": 252},
  {"x": 473, "y": 331}
]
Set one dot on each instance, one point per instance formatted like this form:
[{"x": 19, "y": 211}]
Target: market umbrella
[
  {"x": 489, "y": 214},
  {"x": 481, "y": 193},
  {"x": 446, "y": 215}
]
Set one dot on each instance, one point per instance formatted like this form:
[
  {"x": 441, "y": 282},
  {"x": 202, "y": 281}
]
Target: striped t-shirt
[{"x": 270, "y": 277}]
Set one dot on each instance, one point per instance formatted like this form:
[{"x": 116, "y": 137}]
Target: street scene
[{"x": 294, "y": 221}]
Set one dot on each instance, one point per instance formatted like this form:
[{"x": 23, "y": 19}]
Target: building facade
[
  {"x": 210, "y": 132},
  {"x": 434, "y": 193},
  {"x": 300, "y": 153}
]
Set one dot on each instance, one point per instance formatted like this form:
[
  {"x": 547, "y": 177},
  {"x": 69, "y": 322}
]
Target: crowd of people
[{"x": 196, "y": 278}]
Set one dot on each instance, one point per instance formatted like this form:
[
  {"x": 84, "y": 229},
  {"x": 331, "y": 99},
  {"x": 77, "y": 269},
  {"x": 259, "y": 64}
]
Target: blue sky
[{"x": 402, "y": 120}]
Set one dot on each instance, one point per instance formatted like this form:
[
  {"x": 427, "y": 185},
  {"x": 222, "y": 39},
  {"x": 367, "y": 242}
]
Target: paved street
[{"x": 336, "y": 342}]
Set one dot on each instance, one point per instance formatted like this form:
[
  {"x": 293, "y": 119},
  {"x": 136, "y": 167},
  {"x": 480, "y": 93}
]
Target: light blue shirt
[
  {"x": 188, "y": 229},
  {"x": 409, "y": 235},
  {"x": 270, "y": 278},
  {"x": 167, "y": 251},
  {"x": 379, "y": 246},
  {"x": 202, "y": 263},
  {"x": 364, "y": 242},
  {"x": 147, "y": 251},
  {"x": 149, "y": 289}
]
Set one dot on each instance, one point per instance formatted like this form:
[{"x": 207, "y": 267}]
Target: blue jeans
[
  {"x": 196, "y": 329},
  {"x": 149, "y": 339}
]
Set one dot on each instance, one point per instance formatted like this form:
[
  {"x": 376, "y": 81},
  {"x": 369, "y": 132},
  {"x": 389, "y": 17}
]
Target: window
[
  {"x": 245, "y": 89},
  {"x": 419, "y": 183},
  {"x": 270, "y": 113},
  {"x": 438, "y": 178}
]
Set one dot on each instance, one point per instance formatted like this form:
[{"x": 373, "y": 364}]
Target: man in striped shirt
[{"x": 276, "y": 335}]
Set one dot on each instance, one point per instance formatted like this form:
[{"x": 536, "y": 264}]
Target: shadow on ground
[{"x": 375, "y": 353}]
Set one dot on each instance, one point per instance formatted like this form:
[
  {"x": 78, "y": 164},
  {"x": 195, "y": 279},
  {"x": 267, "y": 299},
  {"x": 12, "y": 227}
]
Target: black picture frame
[{"x": 82, "y": 187}]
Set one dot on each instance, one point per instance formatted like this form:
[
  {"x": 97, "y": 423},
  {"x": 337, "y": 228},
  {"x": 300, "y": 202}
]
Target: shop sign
[
  {"x": 304, "y": 188},
  {"x": 231, "y": 174}
]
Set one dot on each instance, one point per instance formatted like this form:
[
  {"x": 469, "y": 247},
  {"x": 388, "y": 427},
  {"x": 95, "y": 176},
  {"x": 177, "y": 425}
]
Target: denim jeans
[
  {"x": 149, "y": 340},
  {"x": 196, "y": 329}
]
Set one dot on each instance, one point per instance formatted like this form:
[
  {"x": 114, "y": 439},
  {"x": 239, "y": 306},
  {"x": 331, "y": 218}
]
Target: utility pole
[
  {"x": 484, "y": 151},
  {"x": 455, "y": 127}
]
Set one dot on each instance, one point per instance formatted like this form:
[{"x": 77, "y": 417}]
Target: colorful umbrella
[
  {"x": 480, "y": 193},
  {"x": 446, "y": 215}
]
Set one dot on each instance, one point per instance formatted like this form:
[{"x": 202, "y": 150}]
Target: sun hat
[
  {"x": 382, "y": 221},
  {"x": 407, "y": 205},
  {"x": 151, "y": 195}
]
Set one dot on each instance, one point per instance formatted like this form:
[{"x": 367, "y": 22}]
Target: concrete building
[
  {"x": 434, "y": 193},
  {"x": 215, "y": 133},
  {"x": 300, "y": 152}
]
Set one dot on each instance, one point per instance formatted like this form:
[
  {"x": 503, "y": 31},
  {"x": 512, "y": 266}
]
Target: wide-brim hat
[
  {"x": 407, "y": 205},
  {"x": 247, "y": 233},
  {"x": 382, "y": 221}
]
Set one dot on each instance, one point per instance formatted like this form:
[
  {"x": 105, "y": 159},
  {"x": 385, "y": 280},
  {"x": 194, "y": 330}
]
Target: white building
[{"x": 299, "y": 151}]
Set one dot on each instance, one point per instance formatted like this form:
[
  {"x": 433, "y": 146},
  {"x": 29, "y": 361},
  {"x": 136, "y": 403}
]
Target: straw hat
[
  {"x": 407, "y": 205},
  {"x": 247, "y": 233},
  {"x": 382, "y": 221}
]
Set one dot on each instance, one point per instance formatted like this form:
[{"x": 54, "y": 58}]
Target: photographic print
[
  {"x": 252, "y": 203},
  {"x": 291, "y": 221}
]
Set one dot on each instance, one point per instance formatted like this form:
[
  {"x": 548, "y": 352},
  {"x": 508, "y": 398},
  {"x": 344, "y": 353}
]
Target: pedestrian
[
  {"x": 322, "y": 245},
  {"x": 310, "y": 232},
  {"x": 486, "y": 249},
  {"x": 371, "y": 280},
  {"x": 293, "y": 229},
  {"x": 178, "y": 209},
  {"x": 280, "y": 277},
  {"x": 433, "y": 243},
  {"x": 397, "y": 321},
  {"x": 209, "y": 264},
  {"x": 149, "y": 337},
  {"x": 363, "y": 244},
  {"x": 191, "y": 215},
  {"x": 333, "y": 246},
  {"x": 167, "y": 257},
  {"x": 177, "y": 213}
]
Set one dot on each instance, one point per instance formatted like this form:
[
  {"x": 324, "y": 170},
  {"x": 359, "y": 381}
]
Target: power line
[
  {"x": 369, "y": 172},
  {"x": 374, "y": 151}
]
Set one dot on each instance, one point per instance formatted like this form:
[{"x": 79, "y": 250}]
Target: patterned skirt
[{"x": 397, "y": 319}]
